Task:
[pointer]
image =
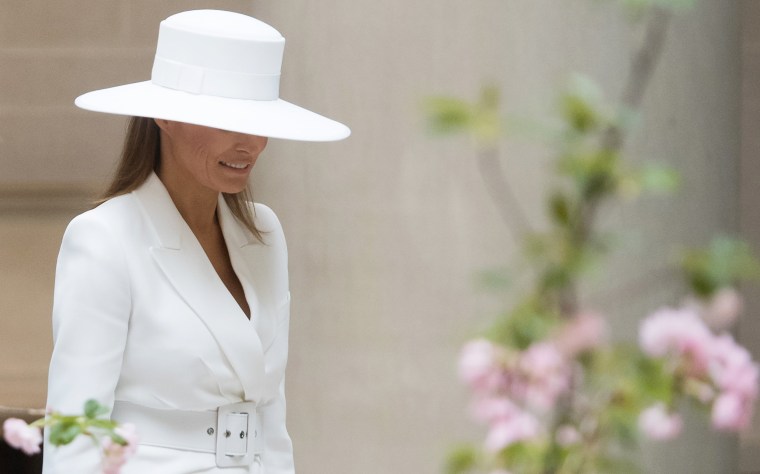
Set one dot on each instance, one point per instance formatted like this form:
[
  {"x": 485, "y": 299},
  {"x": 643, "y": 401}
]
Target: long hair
[{"x": 142, "y": 154}]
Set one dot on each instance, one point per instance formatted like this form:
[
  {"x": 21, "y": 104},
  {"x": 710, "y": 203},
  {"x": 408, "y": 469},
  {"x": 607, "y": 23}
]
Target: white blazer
[{"x": 140, "y": 315}]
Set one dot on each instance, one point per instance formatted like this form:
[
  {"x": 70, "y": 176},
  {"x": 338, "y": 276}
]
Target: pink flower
[
  {"x": 116, "y": 455},
  {"x": 678, "y": 332},
  {"x": 732, "y": 368},
  {"x": 546, "y": 375},
  {"x": 723, "y": 309},
  {"x": 18, "y": 434},
  {"x": 567, "y": 435},
  {"x": 731, "y": 412},
  {"x": 506, "y": 432},
  {"x": 658, "y": 424},
  {"x": 585, "y": 331},
  {"x": 128, "y": 431},
  {"x": 479, "y": 365},
  {"x": 490, "y": 409}
]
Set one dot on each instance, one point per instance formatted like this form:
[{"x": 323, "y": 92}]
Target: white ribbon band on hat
[{"x": 216, "y": 82}]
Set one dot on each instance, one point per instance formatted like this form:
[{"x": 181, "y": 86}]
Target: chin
[
  {"x": 233, "y": 189},
  {"x": 230, "y": 186}
]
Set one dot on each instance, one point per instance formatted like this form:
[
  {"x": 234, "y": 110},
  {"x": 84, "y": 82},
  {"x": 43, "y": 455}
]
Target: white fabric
[
  {"x": 267, "y": 118},
  {"x": 140, "y": 315},
  {"x": 221, "y": 70},
  {"x": 198, "y": 80}
]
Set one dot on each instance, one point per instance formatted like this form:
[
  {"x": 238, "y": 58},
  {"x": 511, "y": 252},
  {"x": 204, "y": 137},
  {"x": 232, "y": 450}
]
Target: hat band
[{"x": 214, "y": 82}]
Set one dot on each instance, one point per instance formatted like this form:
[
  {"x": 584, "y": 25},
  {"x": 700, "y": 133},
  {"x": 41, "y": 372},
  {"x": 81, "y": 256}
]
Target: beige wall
[
  {"x": 749, "y": 193},
  {"x": 386, "y": 230}
]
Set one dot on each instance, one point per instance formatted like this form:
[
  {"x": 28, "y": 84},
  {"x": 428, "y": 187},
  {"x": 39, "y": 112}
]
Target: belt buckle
[{"x": 238, "y": 431}]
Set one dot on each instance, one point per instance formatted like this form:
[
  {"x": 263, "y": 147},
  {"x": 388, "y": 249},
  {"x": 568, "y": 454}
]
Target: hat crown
[
  {"x": 219, "y": 53},
  {"x": 222, "y": 23}
]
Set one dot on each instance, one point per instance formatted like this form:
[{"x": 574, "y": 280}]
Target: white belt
[{"x": 232, "y": 432}]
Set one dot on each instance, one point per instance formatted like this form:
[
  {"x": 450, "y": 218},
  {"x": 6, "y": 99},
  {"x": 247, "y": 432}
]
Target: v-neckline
[{"x": 236, "y": 263}]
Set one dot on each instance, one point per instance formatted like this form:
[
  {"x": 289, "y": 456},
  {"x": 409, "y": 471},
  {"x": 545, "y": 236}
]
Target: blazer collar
[
  {"x": 161, "y": 212},
  {"x": 186, "y": 266},
  {"x": 169, "y": 224}
]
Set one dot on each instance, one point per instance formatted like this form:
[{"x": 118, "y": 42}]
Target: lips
[{"x": 236, "y": 166}]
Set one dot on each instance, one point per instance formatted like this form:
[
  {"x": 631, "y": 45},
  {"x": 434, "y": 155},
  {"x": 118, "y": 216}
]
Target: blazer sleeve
[
  {"x": 278, "y": 455},
  {"x": 278, "y": 452},
  {"x": 91, "y": 309}
]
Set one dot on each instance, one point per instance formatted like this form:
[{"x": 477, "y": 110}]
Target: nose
[{"x": 252, "y": 144}]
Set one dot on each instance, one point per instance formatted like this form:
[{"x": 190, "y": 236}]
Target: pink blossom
[
  {"x": 506, "y": 432},
  {"x": 128, "y": 431},
  {"x": 585, "y": 331},
  {"x": 567, "y": 435},
  {"x": 490, "y": 409},
  {"x": 546, "y": 375},
  {"x": 678, "y": 332},
  {"x": 19, "y": 435},
  {"x": 722, "y": 310},
  {"x": 731, "y": 412},
  {"x": 732, "y": 368},
  {"x": 658, "y": 424},
  {"x": 479, "y": 365},
  {"x": 116, "y": 455}
]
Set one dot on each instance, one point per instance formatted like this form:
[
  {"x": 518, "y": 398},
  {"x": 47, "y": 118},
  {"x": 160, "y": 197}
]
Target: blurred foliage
[
  {"x": 63, "y": 429},
  {"x": 725, "y": 263},
  {"x": 527, "y": 322},
  {"x": 616, "y": 383},
  {"x": 481, "y": 119},
  {"x": 461, "y": 460}
]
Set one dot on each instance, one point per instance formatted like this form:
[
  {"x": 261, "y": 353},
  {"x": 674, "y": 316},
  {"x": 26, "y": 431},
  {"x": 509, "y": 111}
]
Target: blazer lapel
[
  {"x": 186, "y": 266},
  {"x": 250, "y": 260}
]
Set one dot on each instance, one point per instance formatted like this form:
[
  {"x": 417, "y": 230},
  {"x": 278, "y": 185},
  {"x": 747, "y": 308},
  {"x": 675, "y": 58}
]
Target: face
[{"x": 214, "y": 159}]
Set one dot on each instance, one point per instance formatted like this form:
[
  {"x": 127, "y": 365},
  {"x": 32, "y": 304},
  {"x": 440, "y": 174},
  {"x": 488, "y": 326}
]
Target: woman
[{"x": 171, "y": 301}]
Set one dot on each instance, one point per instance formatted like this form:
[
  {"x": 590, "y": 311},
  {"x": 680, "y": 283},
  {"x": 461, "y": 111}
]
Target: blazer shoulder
[
  {"x": 267, "y": 223},
  {"x": 116, "y": 216},
  {"x": 264, "y": 217}
]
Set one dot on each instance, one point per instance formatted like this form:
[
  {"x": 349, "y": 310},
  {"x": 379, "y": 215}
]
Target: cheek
[{"x": 198, "y": 158}]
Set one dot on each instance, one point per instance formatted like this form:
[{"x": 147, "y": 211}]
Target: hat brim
[{"x": 267, "y": 118}]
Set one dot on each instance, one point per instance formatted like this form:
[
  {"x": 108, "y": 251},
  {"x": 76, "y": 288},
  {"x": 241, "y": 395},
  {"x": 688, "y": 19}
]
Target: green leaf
[
  {"x": 559, "y": 208},
  {"x": 93, "y": 409},
  {"x": 118, "y": 439},
  {"x": 596, "y": 173},
  {"x": 486, "y": 123},
  {"x": 526, "y": 457},
  {"x": 461, "y": 459},
  {"x": 580, "y": 105},
  {"x": 617, "y": 465},
  {"x": 578, "y": 113},
  {"x": 64, "y": 432},
  {"x": 103, "y": 424},
  {"x": 725, "y": 262},
  {"x": 448, "y": 114},
  {"x": 659, "y": 179},
  {"x": 653, "y": 382},
  {"x": 523, "y": 325}
]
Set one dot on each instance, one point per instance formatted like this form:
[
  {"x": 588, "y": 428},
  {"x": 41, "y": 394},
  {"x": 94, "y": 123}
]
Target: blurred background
[{"x": 388, "y": 229}]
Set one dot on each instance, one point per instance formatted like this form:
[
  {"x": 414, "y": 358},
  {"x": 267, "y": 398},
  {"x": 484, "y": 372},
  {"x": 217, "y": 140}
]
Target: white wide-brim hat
[{"x": 217, "y": 69}]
